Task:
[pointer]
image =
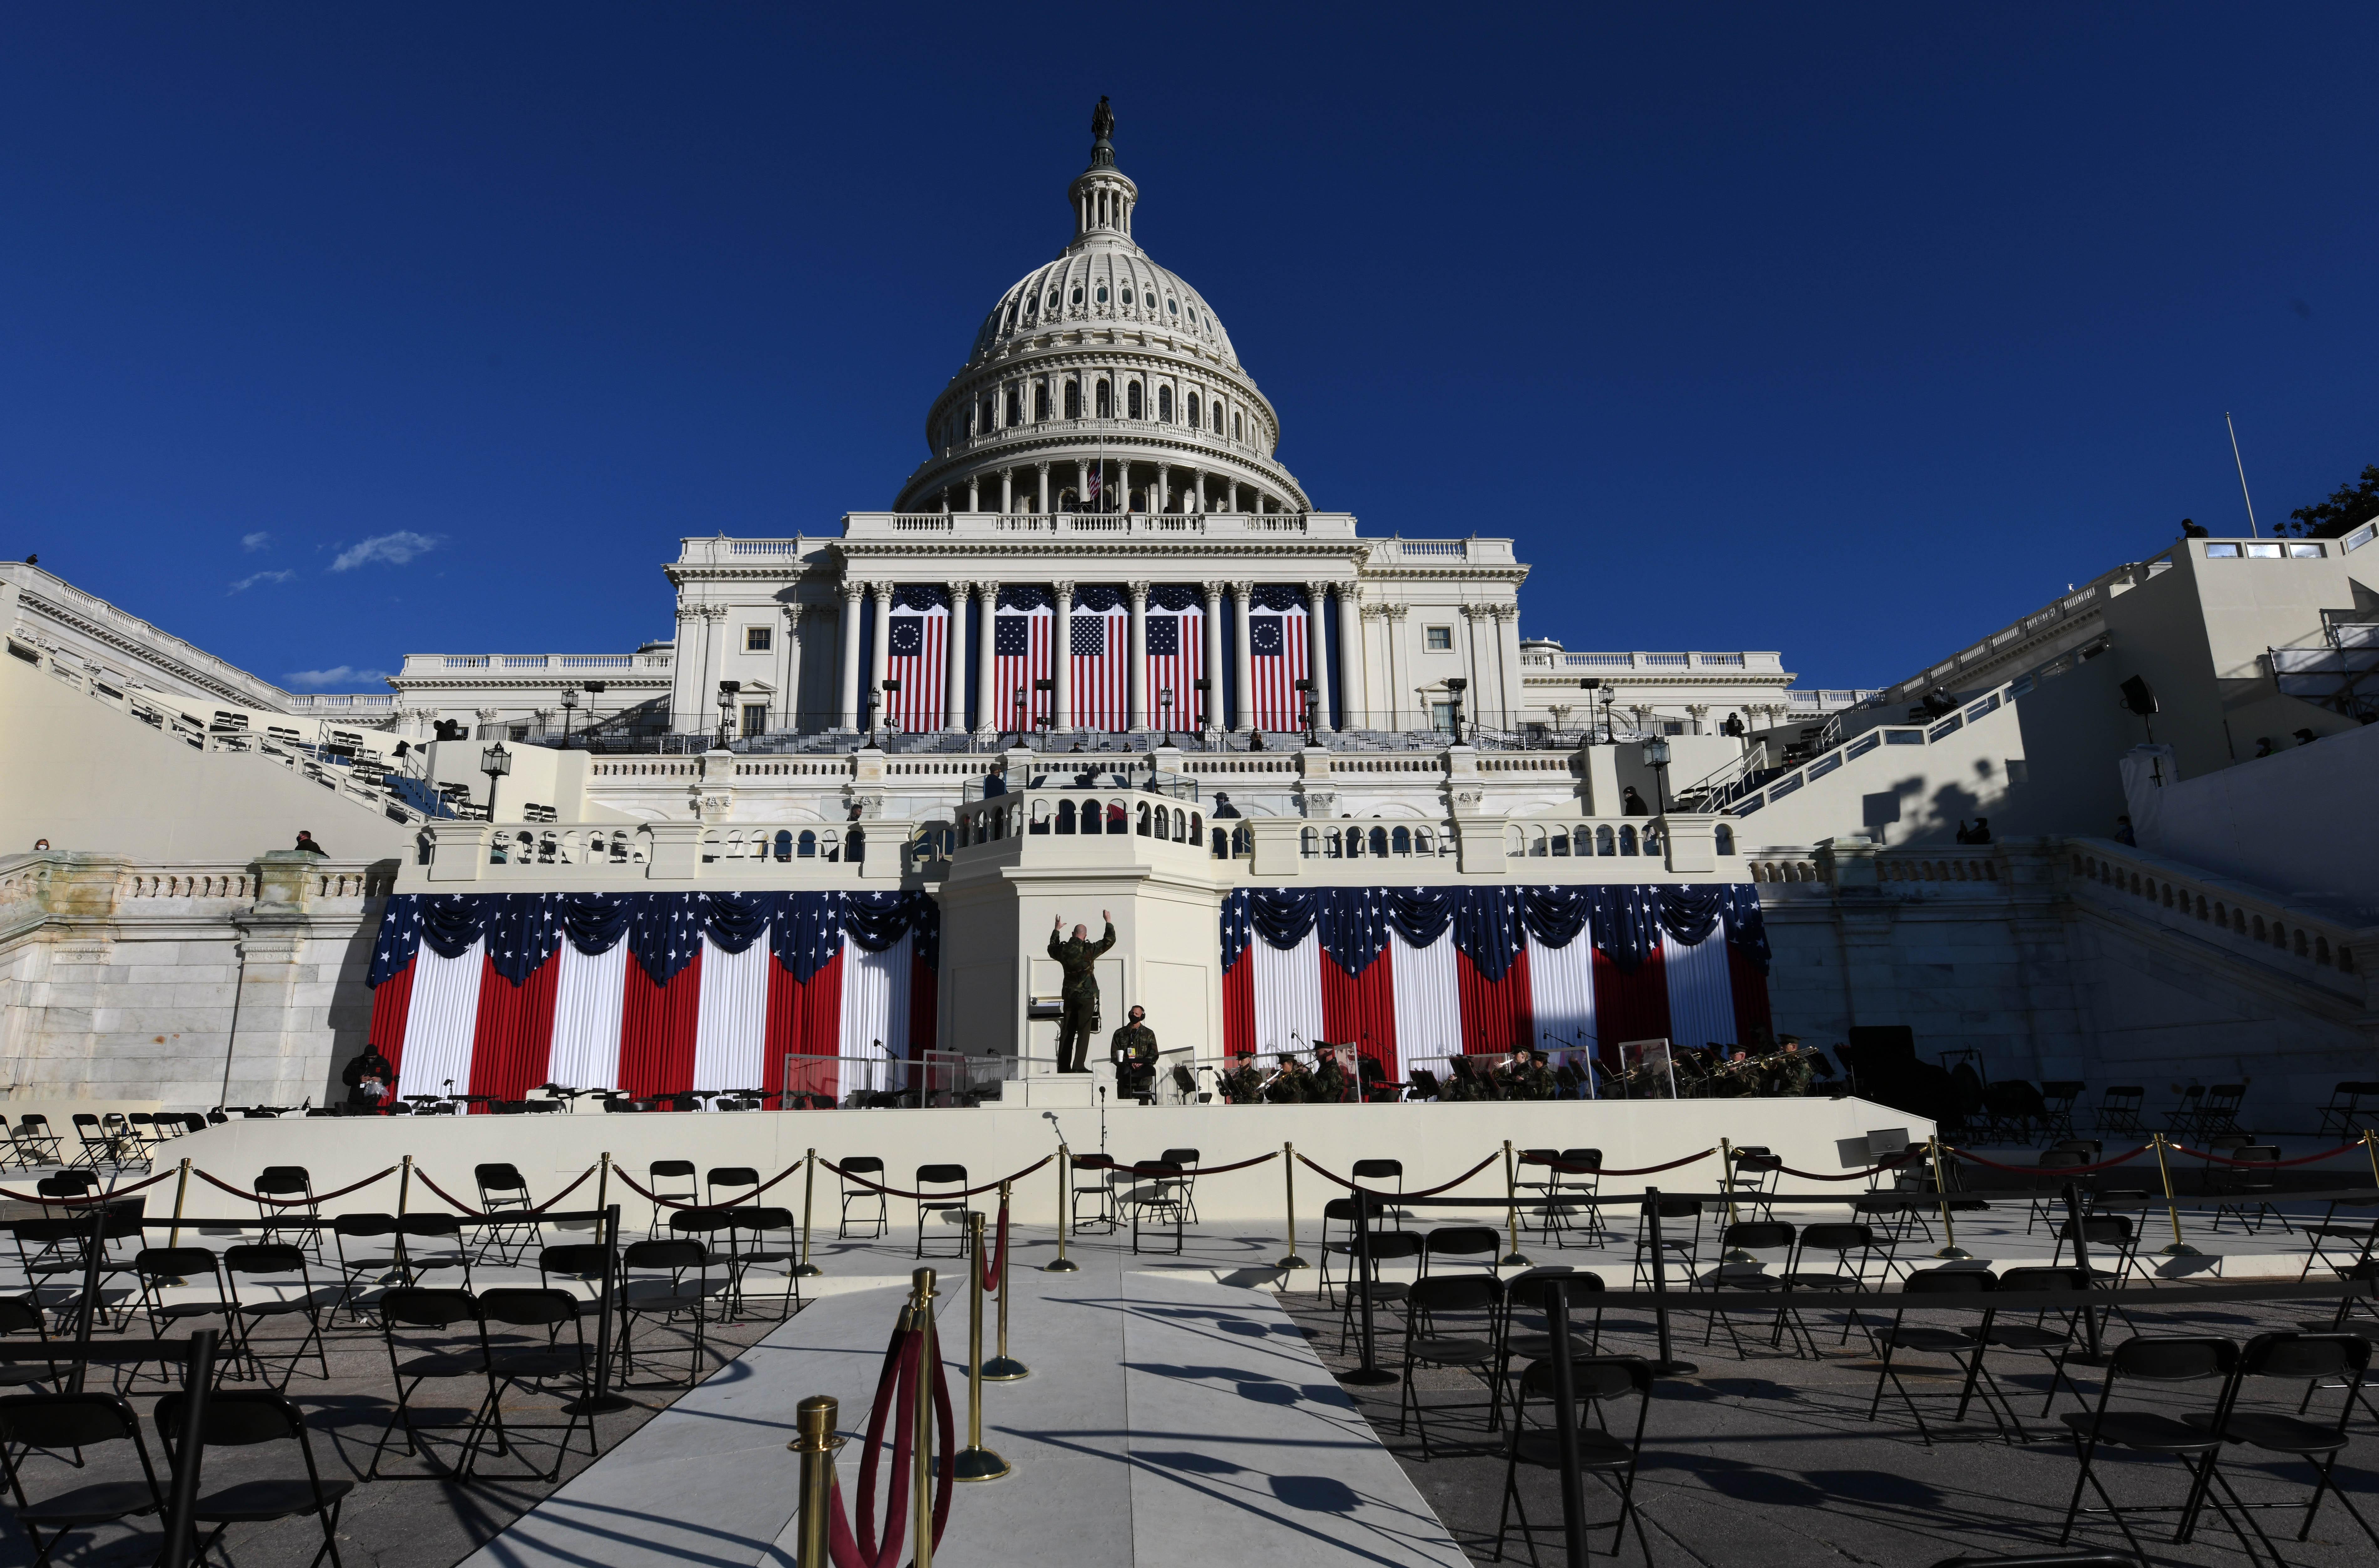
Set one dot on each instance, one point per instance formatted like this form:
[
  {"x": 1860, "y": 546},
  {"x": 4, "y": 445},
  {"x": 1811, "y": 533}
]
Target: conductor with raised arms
[{"x": 1080, "y": 1019}]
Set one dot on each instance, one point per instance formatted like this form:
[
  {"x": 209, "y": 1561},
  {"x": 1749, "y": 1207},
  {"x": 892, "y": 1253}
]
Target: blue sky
[{"x": 331, "y": 334}]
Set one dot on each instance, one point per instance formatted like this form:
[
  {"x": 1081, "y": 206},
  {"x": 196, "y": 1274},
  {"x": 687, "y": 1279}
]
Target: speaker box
[{"x": 2139, "y": 697}]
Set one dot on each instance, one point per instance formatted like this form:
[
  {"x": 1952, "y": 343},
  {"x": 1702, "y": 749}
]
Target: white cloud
[
  {"x": 394, "y": 549},
  {"x": 246, "y": 583},
  {"x": 337, "y": 675},
  {"x": 255, "y": 541}
]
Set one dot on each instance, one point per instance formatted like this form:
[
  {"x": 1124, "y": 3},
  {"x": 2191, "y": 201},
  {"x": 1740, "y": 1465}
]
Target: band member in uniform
[
  {"x": 1080, "y": 995},
  {"x": 1795, "y": 1068},
  {"x": 1133, "y": 1052},
  {"x": 1290, "y": 1084},
  {"x": 1329, "y": 1078},
  {"x": 1243, "y": 1085}
]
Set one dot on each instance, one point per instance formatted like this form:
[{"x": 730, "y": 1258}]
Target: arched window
[
  {"x": 1725, "y": 835},
  {"x": 1560, "y": 843},
  {"x": 1603, "y": 842},
  {"x": 2259, "y": 928},
  {"x": 1354, "y": 843},
  {"x": 784, "y": 846},
  {"x": 1379, "y": 842},
  {"x": 1078, "y": 294},
  {"x": 1197, "y": 832},
  {"x": 1627, "y": 840},
  {"x": 1144, "y": 820},
  {"x": 1103, "y": 294},
  {"x": 1119, "y": 819},
  {"x": 986, "y": 417},
  {"x": 1401, "y": 841},
  {"x": 830, "y": 845},
  {"x": 1015, "y": 406},
  {"x": 1106, "y": 400},
  {"x": 1193, "y": 409},
  {"x": 1164, "y": 404},
  {"x": 1537, "y": 846},
  {"x": 1218, "y": 418},
  {"x": 807, "y": 845},
  {"x": 1073, "y": 400},
  {"x": 1424, "y": 841},
  {"x": 1309, "y": 842},
  {"x": 1131, "y": 401},
  {"x": 1041, "y": 402},
  {"x": 1235, "y": 425},
  {"x": 1065, "y": 816}
]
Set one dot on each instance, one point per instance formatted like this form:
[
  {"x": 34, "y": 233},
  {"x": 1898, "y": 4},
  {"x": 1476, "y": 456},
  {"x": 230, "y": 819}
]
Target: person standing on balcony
[
  {"x": 1080, "y": 1017},
  {"x": 306, "y": 845}
]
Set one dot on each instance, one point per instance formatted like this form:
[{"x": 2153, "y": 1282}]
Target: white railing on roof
[{"x": 1565, "y": 660}]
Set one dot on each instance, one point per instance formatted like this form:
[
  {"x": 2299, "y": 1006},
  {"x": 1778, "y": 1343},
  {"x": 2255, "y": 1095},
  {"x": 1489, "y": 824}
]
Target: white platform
[{"x": 1168, "y": 1420}]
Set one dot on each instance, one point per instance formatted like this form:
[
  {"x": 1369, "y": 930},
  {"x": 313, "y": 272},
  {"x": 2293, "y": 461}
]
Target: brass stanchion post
[
  {"x": 807, "y": 1268},
  {"x": 181, "y": 1187},
  {"x": 921, "y": 1472},
  {"x": 1288, "y": 1171},
  {"x": 403, "y": 1185},
  {"x": 976, "y": 1462},
  {"x": 603, "y": 1181},
  {"x": 2178, "y": 1249},
  {"x": 817, "y": 1417},
  {"x": 1941, "y": 1194},
  {"x": 1004, "y": 1367},
  {"x": 1064, "y": 1265},
  {"x": 1515, "y": 1259}
]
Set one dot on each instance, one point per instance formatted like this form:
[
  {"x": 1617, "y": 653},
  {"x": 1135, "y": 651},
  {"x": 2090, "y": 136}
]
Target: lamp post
[
  {"x": 594, "y": 689},
  {"x": 727, "y": 690},
  {"x": 1304, "y": 689},
  {"x": 1046, "y": 718},
  {"x": 1454, "y": 686},
  {"x": 891, "y": 690},
  {"x": 1593, "y": 690},
  {"x": 1164, "y": 702},
  {"x": 495, "y": 761},
  {"x": 569, "y": 712},
  {"x": 1023, "y": 713},
  {"x": 1656, "y": 757},
  {"x": 1205, "y": 686}
]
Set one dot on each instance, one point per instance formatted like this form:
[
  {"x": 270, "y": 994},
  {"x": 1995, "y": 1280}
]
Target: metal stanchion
[
  {"x": 1371, "y": 1372},
  {"x": 807, "y": 1268},
  {"x": 602, "y": 1401},
  {"x": 1004, "y": 1367},
  {"x": 976, "y": 1462},
  {"x": 94, "y": 1248},
  {"x": 181, "y": 1191},
  {"x": 1953, "y": 1252},
  {"x": 1064, "y": 1265},
  {"x": 1289, "y": 1173},
  {"x": 1514, "y": 1259},
  {"x": 603, "y": 1181},
  {"x": 1573, "y": 1484},
  {"x": 1667, "y": 1365},
  {"x": 817, "y": 1418},
  {"x": 181, "y": 1530},
  {"x": 2089, "y": 1355},
  {"x": 922, "y": 1471},
  {"x": 403, "y": 1189},
  {"x": 2178, "y": 1249}
]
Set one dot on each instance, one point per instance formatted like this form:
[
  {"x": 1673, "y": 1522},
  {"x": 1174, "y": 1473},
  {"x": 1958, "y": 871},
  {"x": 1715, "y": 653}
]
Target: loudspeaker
[{"x": 2138, "y": 697}]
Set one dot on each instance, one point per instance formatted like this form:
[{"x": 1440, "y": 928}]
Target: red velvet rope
[
  {"x": 995, "y": 1268},
  {"x": 896, "y": 1192},
  {"x": 2051, "y": 1170},
  {"x": 1391, "y": 1197},
  {"x": 622, "y": 1172},
  {"x": 2268, "y": 1164},
  {"x": 896, "y": 1394},
  {"x": 1651, "y": 1170},
  {"x": 1234, "y": 1165},
  {"x": 503, "y": 1213},
  {"x": 1853, "y": 1175},
  {"x": 280, "y": 1202},
  {"x": 94, "y": 1198}
]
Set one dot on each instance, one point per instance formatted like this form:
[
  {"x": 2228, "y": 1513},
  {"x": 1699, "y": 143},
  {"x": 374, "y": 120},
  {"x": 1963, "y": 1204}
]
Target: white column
[
  {"x": 1317, "y": 644},
  {"x": 1082, "y": 482},
  {"x": 955, "y": 650},
  {"x": 1163, "y": 487},
  {"x": 852, "y": 594},
  {"x": 1244, "y": 712},
  {"x": 790, "y": 668},
  {"x": 1061, "y": 658},
  {"x": 879, "y": 656},
  {"x": 1402, "y": 702},
  {"x": 1507, "y": 657},
  {"x": 986, "y": 700},
  {"x": 1474, "y": 663},
  {"x": 1137, "y": 682},
  {"x": 975, "y": 492},
  {"x": 1211, "y": 667},
  {"x": 1006, "y": 490},
  {"x": 1353, "y": 689},
  {"x": 1044, "y": 507}
]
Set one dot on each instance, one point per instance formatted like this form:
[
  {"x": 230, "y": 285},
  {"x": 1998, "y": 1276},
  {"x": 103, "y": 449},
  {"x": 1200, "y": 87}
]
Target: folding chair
[
  {"x": 951, "y": 1204},
  {"x": 1995, "y": 1333},
  {"x": 2349, "y": 1104},
  {"x": 358, "y": 1263},
  {"x": 35, "y": 1144},
  {"x": 1582, "y": 1187},
  {"x": 1187, "y": 1160},
  {"x": 867, "y": 1165},
  {"x": 273, "y": 1263},
  {"x": 579, "y": 1261},
  {"x": 1753, "y": 1181},
  {"x": 243, "y": 1419},
  {"x": 1530, "y": 1291},
  {"x": 1597, "y": 1381},
  {"x": 433, "y": 1336},
  {"x": 1900, "y": 1336},
  {"x": 60, "y": 1422},
  {"x": 127, "y": 1131},
  {"x": 2247, "y": 1193},
  {"x": 1157, "y": 1190},
  {"x": 566, "y": 1361},
  {"x": 23, "y": 1314},
  {"x": 430, "y": 1243},
  {"x": 2311, "y": 1358},
  {"x": 759, "y": 1222},
  {"x": 2154, "y": 1434},
  {"x": 2048, "y": 1205},
  {"x": 1481, "y": 1245},
  {"x": 1387, "y": 1247},
  {"x": 714, "y": 1229},
  {"x": 739, "y": 1180},
  {"x": 2057, "y": 1097},
  {"x": 2182, "y": 1120},
  {"x": 655, "y": 1285},
  {"x": 1431, "y": 1342},
  {"x": 1100, "y": 1192},
  {"x": 2218, "y": 1112},
  {"x": 2118, "y": 1110},
  {"x": 504, "y": 1190},
  {"x": 1684, "y": 1249},
  {"x": 661, "y": 1175},
  {"x": 2102, "y": 1233},
  {"x": 1841, "y": 1238},
  {"x": 301, "y": 1218},
  {"x": 96, "y": 1148},
  {"x": 1749, "y": 1237},
  {"x": 2360, "y": 1238},
  {"x": 163, "y": 1269}
]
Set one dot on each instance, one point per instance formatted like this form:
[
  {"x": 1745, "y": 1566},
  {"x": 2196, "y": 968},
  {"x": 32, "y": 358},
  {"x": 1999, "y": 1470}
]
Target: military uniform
[
  {"x": 1329, "y": 1079},
  {"x": 1243, "y": 1085},
  {"x": 1796, "y": 1071},
  {"x": 1533, "y": 1081},
  {"x": 1133, "y": 1051},
  {"x": 1080, "y": 1019}
]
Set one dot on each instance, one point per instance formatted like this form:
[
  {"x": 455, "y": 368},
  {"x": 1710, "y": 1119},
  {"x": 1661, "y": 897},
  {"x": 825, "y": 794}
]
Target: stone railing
[
  {"x": 63, "y": 883},
  {"x": 2329, "y": 951},
  {"x": 420, "y": 665},
  {"x": 541, "y": 857},
  {"x": 922, "y": 525},
  {"x": 1663, "y": 662}
]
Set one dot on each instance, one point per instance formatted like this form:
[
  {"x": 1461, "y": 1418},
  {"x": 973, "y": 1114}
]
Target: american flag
[
  {"x": 665, "y": 934},
  {"x": 917, "y": 656},
  {"x": 1019, "y": 656},
  {"x": 1177, "y": 654},
  {"x": 1276, "y": 654},
  {"x": 399, "y": 937},
  {"x": 1100, "y": 643}
]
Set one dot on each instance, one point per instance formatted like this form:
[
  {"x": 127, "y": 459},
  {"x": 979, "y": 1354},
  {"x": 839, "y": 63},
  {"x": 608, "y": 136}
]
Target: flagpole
[{"x": 2252, "y": 531}]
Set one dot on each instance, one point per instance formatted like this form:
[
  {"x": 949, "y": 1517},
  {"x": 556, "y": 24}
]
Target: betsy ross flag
[
  {"x": 1019, "y": 656},
  {"x": 1177, "y": 654},
  {"x": 1100, "y": 644},
  {"x": 917, "y": 654},
  {"x": 1277, "y": 646}
]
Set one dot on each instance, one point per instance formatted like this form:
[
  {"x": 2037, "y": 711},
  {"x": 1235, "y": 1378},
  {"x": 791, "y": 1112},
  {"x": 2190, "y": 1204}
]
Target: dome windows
[
  {"x": 1040, "y": 402},
  {"x": 1053, "y": 299},
  {"x": 1164, "y": 404},
  {"x": 1173, "y": 307},
  {"x": 1078, "y": 294},
  {"x": 1126, "y": 294},
  {"x": 1193, "y": 409},
  {"x": 1073, "y": 400},
  {"x": 1106, "y": 400},
  {"x": 1103, "y": 294},
  {"x": 1131, "y": 401}
]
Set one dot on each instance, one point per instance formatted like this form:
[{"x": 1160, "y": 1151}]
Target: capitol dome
[{"x": 1102, "y": 382}]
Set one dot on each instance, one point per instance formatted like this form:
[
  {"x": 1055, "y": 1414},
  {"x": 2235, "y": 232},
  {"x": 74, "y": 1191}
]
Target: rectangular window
[
  {"x": 755, "y": 718},
  {"x": 1440, "y": 638},
  {"x": 1440, "y": 717},
  {"x": 2265, "y": 553},
  {"x": 2222, "y": 552},
  {"x": 757, "y": 638},
  {"x": 1672, "y": 727},
  {"x": 2305, "y": 552}
]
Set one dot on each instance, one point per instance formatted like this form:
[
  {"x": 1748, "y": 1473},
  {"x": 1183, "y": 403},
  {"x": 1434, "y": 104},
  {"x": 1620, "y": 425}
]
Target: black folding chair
[
  {"x": 2155, "y": 1434},
  {"x": 663, "y": 1176},
  {"x": 360, "y": 1262},
  {"x": 1753, "y": 1182},
  {"x": 1387, "y": 1247},
  {"x": 1432, "y": 1341},
  {"x": 1595, "y": 1382},
  {"x": 1187, "y": 1160},
  {"x": 2357, "y": 1239},
  {"x": 1460, "y": 1246},
  {"x": 433, "y": 1336},
  {"x": 2057, "y": 1097},
  {"x": 504, "y": 1190},
  {"x": 1157, "y": 1192},
  {"x": 20, "y": 1315},
  {"x": 243, "y": 1419},
  {"x": 1530, "y": 1291},
  {"x": 2118, "y": 1110},
  {"x": 297, "y": 1216},
  {"x": 1748, "y": 1273},
  {"x": 740, "y": 1182},
  {"x": 1995, "y": 1333},
  {"x": 1837, "y": 1238},
  {"x": 2286, "y": 1357},
  {"x": 163, "y": 1269},
  {"x": 665, "y": 1281},
  {"x": 761, "y": 1236},
  {"x": 431, "y": 1244},
  {"x": 869, "y": 1165},
  {"x": 2351, "y": 1106},
  {"x": 2246, "y": 1190},
  {"x": 59, "y": 1422},
  {"x": 1676, "y": 1251},
  {"x": 282, "y": 1267},
  {"x": 564, "y": 1359},
  {"x": 36, "y": 1144},
  {"x": 950, "y": 1204},
  {"x": 1900, "y": 1336}
]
